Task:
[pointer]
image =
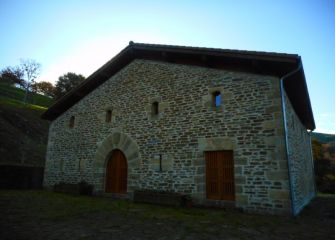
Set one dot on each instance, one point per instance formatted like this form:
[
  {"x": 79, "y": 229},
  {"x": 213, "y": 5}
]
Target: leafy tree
[
  {"x": 12, "y": 75},
  {"x": 31, "y": 70},
  {"x": 45, "y": 88},
  {"x": 67, "y": 82}
]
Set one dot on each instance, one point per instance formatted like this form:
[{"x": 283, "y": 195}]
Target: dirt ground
[{"x": 45, "y": 215}]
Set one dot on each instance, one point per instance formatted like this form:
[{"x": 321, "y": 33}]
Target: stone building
[{"x": 224, "y": 126}]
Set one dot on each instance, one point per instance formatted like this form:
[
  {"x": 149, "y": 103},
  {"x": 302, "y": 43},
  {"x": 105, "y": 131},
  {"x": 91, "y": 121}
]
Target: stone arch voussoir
[{"x": 116, "y": 140}]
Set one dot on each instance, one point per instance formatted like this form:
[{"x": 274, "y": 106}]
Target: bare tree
[{"x": 31, "y": 70}]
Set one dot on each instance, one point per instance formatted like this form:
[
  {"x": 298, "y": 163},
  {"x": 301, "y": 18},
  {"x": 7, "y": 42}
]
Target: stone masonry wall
[
  {"x": 300, "y": 160},
  {"x": 249, "y": 122}
]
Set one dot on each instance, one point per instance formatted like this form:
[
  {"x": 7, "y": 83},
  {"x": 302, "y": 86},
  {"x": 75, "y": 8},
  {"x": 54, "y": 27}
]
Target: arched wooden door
[{"x": 116, "y": 173}]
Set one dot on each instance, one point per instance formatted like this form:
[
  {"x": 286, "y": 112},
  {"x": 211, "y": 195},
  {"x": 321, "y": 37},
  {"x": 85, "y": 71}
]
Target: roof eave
[
  {"x": 93, "y": 80},
  {"x": 259, "y": 62}
]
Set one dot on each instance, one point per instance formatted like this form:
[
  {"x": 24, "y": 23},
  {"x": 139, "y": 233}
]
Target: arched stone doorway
[
  {"x": 116, "y": 173},
  {"x": 128, "y": 147}
]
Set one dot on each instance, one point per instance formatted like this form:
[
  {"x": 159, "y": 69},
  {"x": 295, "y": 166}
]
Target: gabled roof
[{"x": 276, "y": 64}]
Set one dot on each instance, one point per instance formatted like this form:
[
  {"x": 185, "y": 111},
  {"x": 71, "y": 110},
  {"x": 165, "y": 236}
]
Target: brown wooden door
[
  {"x": 116, "y": 173},
  {"x": 220, "y": 175}
]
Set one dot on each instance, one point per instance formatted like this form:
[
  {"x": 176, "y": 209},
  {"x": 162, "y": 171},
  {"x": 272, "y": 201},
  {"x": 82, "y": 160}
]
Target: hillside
[
  {"x": 327, "y": 142},
  {"x": 16, "y": 94},
  {"x": 23, "y": 134},
  {"x": 324, "y": 161},
  {"x": 324, "y": 137}
]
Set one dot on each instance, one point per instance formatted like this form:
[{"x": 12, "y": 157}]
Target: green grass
[
  {"x": 58, "y": 206},
  {"x": 96, "y": 214},
  {"x": 20, "y": 104},
  {"x": 9, "y": 92},
  {"x": 22, "y": 130}
]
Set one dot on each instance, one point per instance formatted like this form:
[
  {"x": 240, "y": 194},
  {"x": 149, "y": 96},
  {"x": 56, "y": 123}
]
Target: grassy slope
[
  {"x": 23, "y": 134},
  {"x": 13, "y": 93}
]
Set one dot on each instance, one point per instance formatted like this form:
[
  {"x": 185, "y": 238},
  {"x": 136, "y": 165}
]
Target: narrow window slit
[
  {"x": 160, "y": 163},
  {"x": 108, "y": 115},
  {"x": 155, "y": 108},
  {"x": 71, "y": 124},
  {"x": 217, "y": 99}
]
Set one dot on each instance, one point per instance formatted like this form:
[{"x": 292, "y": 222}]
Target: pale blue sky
[{"x": 80, "y": 36}]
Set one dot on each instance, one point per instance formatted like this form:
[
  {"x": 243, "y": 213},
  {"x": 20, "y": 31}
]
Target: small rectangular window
[
  {"x": 108, "y": 115},
  {"x": 217, "y": 99},
  {"x": 71, "y": 124},
  {"x": 154, "y": 108}
]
